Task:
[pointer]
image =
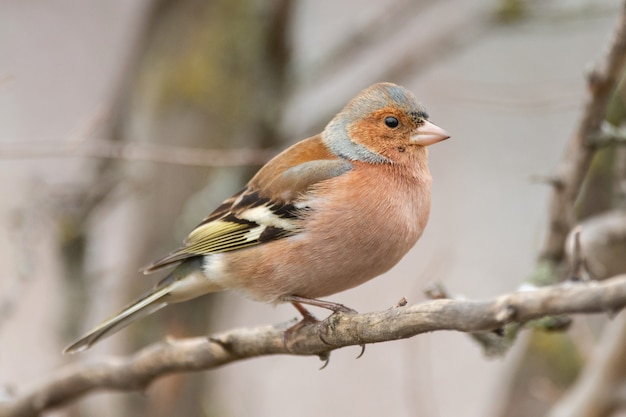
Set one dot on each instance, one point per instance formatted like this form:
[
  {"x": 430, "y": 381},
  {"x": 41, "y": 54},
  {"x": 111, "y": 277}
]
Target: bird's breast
[
  {"x": 362, "y": 227},
  {"x": 357, "y": 226}
]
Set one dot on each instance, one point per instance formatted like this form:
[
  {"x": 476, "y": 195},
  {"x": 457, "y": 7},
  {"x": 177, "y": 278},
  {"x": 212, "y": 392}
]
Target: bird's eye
[{"x": 391, "y": 122}]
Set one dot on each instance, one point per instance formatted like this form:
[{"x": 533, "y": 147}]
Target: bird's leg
[
  {"x": 335, "y": 307},
  {"x": 306, "y": 314},
  {"x": 297, "y": 302},
  {"x": 307, "y": 318}
]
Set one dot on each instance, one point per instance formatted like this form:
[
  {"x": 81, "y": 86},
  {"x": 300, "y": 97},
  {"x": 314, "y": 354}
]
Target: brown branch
[
  {"x": 594, "y": 394},
  {"x": 136, "y": 372},
  {"x": 137, "y": 152},
  {"x": 579, "y": 152}
]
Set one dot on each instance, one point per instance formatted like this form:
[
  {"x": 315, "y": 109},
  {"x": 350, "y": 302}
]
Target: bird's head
[{"x": 379, "y": 123}]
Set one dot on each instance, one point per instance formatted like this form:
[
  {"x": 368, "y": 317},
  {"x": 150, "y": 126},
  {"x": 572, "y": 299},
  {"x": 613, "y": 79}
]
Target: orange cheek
[{"x": 371, "y": 135}]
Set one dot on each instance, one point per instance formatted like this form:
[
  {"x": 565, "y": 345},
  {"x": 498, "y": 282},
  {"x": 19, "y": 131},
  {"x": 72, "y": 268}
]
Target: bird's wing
[{"x": 269, "y": 208}]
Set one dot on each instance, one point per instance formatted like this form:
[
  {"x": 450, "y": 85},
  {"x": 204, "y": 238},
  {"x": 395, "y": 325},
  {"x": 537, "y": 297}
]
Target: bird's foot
[
  {"x": 324, "y": 325},
  {"x": 330, "y": 322},
  {"x": 307, "y": 319}
]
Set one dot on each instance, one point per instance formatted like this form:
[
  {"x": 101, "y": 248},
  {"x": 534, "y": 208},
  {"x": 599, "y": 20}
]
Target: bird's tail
[
  {"x": 148, "y": 304},
  {"x": 185, "y": 282}
]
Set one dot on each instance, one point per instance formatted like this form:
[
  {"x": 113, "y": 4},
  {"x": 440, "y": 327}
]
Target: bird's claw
[
  {"x": 362, "y": 351},
  {"x": 323, "y": 326},
  {"x": 330, "y": 323},
  {"x": 326, "y": 358}
]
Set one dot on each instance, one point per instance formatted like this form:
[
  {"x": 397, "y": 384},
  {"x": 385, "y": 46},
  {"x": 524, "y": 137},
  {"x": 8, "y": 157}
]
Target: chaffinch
[{"x": 329, "y": 213}]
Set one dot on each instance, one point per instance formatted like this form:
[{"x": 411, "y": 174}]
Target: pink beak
[{"x": 429, "y": 133}]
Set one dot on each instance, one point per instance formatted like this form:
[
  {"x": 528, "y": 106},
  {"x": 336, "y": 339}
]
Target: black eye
[{"x": 391, "y": 122}]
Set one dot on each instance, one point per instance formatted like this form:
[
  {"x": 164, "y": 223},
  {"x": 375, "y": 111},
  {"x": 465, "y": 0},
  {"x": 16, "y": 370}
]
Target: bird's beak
[{"x": 428, "y": 133}]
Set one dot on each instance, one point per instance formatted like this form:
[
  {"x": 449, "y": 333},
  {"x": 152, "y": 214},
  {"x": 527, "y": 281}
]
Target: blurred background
[{"x": 98, "y": 98}]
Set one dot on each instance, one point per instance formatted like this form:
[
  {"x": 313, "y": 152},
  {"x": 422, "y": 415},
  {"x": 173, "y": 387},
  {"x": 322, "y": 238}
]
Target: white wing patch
[
  {"x": 254, "y": 233},
  {"x": 264, "y": 216}
]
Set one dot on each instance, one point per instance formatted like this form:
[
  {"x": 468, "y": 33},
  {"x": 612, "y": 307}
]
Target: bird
[{"x": 325, "y": 215}]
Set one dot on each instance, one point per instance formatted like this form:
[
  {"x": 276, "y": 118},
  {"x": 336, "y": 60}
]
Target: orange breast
[{"x": 361, "y": 224}]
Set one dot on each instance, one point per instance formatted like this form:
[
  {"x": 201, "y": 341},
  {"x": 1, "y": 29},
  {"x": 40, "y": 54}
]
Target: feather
[
  {"x": 271, "y": 207},
  {"x": 143, "y": 307}
]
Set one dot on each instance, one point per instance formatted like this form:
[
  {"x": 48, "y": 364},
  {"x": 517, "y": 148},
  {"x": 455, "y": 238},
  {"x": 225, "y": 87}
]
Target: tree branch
[
  {"x": 609, "y": 135},
  {"x": 594, "y": 394},
  {"x": 579, "y": 153},
  {"x": 603, "y": 244},
  {"x": 165, "y": 154},
  {"x": 136, "y": 372}
]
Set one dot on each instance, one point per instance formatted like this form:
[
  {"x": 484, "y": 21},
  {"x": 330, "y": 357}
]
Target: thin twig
[
  {"x": 136, "y": 372},
  {"x": 137, "y": 152},
  {"x": 579, "y": 269}
]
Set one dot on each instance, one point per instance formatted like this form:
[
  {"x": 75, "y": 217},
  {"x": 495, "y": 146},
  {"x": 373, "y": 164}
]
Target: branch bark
[{"x": 136, "y": 372}]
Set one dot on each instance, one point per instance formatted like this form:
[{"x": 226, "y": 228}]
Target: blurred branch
[
  {"x": 570, "y": 202},
  {"x": 609, "y": 135},
  {"x": 602, "y": 244},
  {"x": 593, "y": 395},
  {"x": 579, "y": 153},
  {"x": 189, "y": 156},
  {"x": 579, "y": 270},
  {"x": 403, "y": 40},
  {"x": 23, "y": 229},
  {"x": 136, "y": 372}
]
